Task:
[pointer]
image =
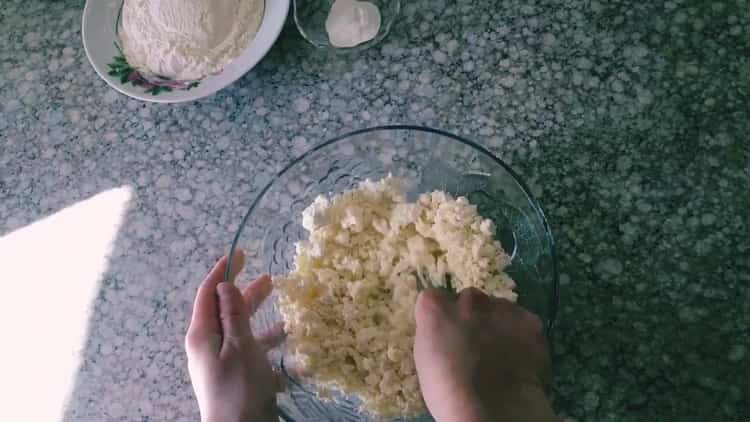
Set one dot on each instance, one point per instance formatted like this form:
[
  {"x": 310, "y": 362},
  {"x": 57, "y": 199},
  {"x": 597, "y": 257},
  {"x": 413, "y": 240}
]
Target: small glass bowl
[
  {"x": 310, "y": 17},
  {"x": 426, "y": 160}
]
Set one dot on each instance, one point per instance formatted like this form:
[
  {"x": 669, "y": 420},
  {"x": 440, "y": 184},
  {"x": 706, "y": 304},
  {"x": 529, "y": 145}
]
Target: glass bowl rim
[{"x": 554, "y": 300}]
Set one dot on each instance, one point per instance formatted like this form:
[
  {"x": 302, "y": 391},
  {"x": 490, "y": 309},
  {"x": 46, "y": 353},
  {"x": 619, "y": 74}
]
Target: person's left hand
[{"x": 231, "y": 375}]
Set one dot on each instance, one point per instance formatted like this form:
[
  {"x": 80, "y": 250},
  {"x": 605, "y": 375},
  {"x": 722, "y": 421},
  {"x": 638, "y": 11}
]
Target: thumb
[{"x": 232, "y": 311}]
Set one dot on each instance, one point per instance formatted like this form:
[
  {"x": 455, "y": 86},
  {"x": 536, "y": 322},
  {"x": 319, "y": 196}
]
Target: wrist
[
  {"x": 517, "y": 403},
  {"x": 268, "y": 415},
  {"x": 264, "y": 418}
]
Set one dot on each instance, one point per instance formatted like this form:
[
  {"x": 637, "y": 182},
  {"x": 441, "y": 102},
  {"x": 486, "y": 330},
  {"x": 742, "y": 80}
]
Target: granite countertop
[{"x": 629, "y": 119}]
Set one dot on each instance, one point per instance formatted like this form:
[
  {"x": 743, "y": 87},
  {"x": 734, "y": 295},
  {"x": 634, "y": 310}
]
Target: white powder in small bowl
[{"x": 352, "y": 22}]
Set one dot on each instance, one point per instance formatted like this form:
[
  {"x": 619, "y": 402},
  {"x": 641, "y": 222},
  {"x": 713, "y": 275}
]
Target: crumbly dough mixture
[{"x": 349, "y": 304}]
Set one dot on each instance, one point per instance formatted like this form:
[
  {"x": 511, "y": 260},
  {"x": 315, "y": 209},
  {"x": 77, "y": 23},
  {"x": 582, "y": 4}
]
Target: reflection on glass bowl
[{"x": 426, "y": 160}]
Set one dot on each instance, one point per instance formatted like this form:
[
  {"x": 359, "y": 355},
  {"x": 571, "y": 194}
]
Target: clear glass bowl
[
  {"x": 426, "y": 159},
  {"x": 310, "y": 18}
]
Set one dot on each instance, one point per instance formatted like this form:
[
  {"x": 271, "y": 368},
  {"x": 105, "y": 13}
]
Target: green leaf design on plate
[
  {"x": 156, "y": 89},
  {"x": 119, "y": 68}
]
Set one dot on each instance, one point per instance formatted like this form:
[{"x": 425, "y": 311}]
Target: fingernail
[{"x": 221, "y": 288}]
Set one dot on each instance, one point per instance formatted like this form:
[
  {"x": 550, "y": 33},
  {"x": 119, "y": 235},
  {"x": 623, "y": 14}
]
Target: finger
[
  {"x": 504, "y": 309},
  {"x": 533, "y": 323},
  {"x": 256, "y": 292},
  {"x": 205, "y": 319},
  {"x": 472, "y": 301},
  {"x": 238, "y": 262},
  {"x": 293, "y": 371},
  {"x": 233, "y": 314},
  {"x": 272, "y": 337},
  {"x": 432, "y": 304},
  {"x": 280, "y": 383},
  {"x": 438, "y": 297},
  {"x": 535, "y": 327}
]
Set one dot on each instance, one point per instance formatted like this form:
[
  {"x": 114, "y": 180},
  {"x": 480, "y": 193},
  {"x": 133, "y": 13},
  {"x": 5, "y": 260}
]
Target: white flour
[{"x": 187, "y": 39}]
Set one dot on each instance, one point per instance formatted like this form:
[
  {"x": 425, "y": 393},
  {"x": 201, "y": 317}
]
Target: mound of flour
[{"x": 187, "y": 39}]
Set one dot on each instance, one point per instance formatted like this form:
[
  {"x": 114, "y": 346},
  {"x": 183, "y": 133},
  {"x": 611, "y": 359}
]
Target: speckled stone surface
[{"x": 630, "y": 120}]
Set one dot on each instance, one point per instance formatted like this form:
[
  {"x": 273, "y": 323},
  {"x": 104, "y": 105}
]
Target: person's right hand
[{"x": 480, "y": 359}]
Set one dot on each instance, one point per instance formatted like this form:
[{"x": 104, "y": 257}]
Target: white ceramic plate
[{"x": 100, "y": 19}]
